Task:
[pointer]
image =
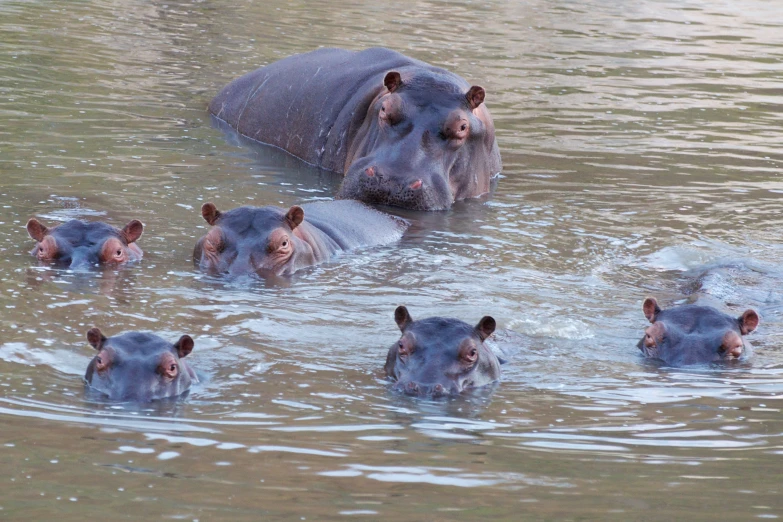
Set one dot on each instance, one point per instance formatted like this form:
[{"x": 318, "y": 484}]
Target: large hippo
[
  {"x": 693, "y": 334},
  {"x": 440, "y": 356},
  {"x": 275, "y": 241},
  {"x": 403, "y": 132},
  {"x": 138, "y": 366},
  {"x": 79, "y": 244}
]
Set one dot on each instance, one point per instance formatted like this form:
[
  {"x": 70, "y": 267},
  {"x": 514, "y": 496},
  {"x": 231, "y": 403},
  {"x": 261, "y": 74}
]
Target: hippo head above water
[
  {"x": 426, "y": 142},
  {"x": 79, "y": 244},
  {"x": 139, "y": 366},
  {"x": 692, "y": 334},
  {"x": 439, "y": 356}
]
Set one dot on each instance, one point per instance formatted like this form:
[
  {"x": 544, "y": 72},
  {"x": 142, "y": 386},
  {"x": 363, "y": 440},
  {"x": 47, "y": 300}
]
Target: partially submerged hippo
[
  {"x": 139, "y": 366},
  {"x": 275, "y": 241},
  {"x": 692, "y": 334},
  {"x": 441, "y": 356},
  {"x": 403, "y": 132},
  {"x": 79, "y": 244}
]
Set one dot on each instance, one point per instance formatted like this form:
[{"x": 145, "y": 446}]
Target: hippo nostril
[
  {"x": 370, "y": 171},
  {"x": 416, "y": 185},
  {"x": 412, "y": 388}
]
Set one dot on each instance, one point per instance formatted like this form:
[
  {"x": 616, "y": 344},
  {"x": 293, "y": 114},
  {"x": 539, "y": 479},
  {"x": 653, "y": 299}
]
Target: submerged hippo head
[
  {"x": 265, "y": 240},
  {"x": 139, "y": 366},
  {"x": 691, "y": 334},
  {"x": 78, "y": 244},
  {"x": 441, "y": 356},
  {"x": 427, "y": 140}
]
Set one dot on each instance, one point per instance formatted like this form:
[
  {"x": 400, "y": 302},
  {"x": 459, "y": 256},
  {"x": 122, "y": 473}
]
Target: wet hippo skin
[
  {"x": 138, "y": 366},
  {"x": 693, "y": 334},
  {"x": 403, "y": 132},
  {"x": 78, "y": 244},
  {"x": 276, "y": 241},
  {"x": 441, "y": 356}
]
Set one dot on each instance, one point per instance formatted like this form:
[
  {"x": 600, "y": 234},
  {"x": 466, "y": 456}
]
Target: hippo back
[
  {"x": 310, "y": 104},
  {"x": 353, "y": 224}
]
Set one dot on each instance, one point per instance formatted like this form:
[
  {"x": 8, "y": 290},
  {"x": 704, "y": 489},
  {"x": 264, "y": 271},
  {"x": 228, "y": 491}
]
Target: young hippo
[
  {"x": 139, "y": 366},
  {"x": 439, "y": 356},
  {"x": 692, "y": 334},
  {"x": 79, "y": 244},
  {"x": 275, "y": 241}
]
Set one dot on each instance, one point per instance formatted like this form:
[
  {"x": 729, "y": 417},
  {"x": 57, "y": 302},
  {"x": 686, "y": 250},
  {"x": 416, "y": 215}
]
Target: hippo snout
[
  {"x": 416, "y": 389},
  {"x": 378, "y": 185}
]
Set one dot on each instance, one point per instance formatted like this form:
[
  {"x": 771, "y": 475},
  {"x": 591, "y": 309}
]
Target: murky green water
[{"x": 641, "y": 143}]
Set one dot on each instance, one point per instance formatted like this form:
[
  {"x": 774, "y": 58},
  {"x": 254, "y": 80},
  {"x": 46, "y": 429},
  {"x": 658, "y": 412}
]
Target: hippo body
[
  {"x": 139, "y": 366},
  {"x": 275, "y": 241},
  {"x": 441, "y": 356},
  {"x": 693, "y": 334},
  {"x": 79, "y": 244},
  {"x": 403, "y": 132}
]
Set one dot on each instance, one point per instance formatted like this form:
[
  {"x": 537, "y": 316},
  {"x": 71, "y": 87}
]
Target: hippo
[
  {"x": 694, "y": 334},
  {"x": 79, "y": 244},
  {"x": 440, "y": 356},
  {"x": 139, "y": 367},
  {"x": 404, "y": 133},
  {"x": 272, "y": 241}
]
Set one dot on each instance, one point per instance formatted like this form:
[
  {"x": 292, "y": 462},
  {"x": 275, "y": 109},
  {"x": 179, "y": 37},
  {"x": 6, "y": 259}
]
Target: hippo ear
[
  {"x": 392, "y": 81},
  {"x": 184, "y": 346},
  {"x": 295, "y": 216},
  {"x": 475, "y": 96},
  {"x": 402, "y": 318},
  {"x": 485, "y": 327},
  {"x": 651, "y": 309},
  {"x": 210, "y": 213},
  {"x": 95, "y": 338},
  {"x": 36, "y": 229},
  {"x": 132, "y": 231},
  {"x": 748, "y": 321}
]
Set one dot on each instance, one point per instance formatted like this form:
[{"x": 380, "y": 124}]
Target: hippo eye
[
  {"x": 98, "y": 360},
  {"x": 284, "y": 244},
  {"x": 173, "y": 368},
  {"x": 119, "y": 252},
  {"x": 463, "y": 127}
]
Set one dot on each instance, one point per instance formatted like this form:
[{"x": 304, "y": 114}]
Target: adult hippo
[
  {"x": 276, "y": 241},
  {"x": 79, "y": 244},
  {"x": 440, "y": 356},
  {"x": 403, "y": 132},
  {"x": 693, "y": 334},
  {"x": 138, "y": 366}
]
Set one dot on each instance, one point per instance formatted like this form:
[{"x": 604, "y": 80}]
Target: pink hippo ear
[
  {"x": 295, "y": 216},
  {"x": 485, "y": 327},
  {"x": 651, "y": 309},
  {"x": 36, "y": 230},
  {"x": 184, "y": 346},
  {"x": 402, "y": 318},
  {"x": 392, "y": 81},
  {"x": 748, "y": 321},
  {"x": 95, "y": 338},
  {"x": 210, "y": 213},
  {"x": 475, "y": 96},
  {"x": 132, "y": 231}
]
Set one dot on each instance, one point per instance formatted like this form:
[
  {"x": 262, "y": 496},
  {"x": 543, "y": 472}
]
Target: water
[{"x": 640, "y": 146}]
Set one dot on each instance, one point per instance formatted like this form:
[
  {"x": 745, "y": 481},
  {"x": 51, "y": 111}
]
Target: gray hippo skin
[
  {"x": 693, "y": 334},
  {"x": 440, "y": 356},
  {"x": 139, "y": 366},
  {"x": 275, "y": 241},
  {"x": 78, "y": 244},
  {"x": 404, "y": 133}
]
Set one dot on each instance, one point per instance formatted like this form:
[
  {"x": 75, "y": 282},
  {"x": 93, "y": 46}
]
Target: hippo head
[
  {"x": 78, "y": 244},
  {"x": 139, "y": 366},
  {"x": 264, "y": 240},
  {"x": 438, "y": 356},
  {"x": 691, "y": 334},
  {"x": 427, "y": 141}
]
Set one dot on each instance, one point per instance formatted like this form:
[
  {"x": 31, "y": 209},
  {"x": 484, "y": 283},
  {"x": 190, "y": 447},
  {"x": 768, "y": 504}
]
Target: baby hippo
[
  {"x": 439, "y": 356},
  {"x": 139, "y": 366},
  {"x": 79, "y": 244},
  {"x": 692, "y": 334},
  {"x": 275, "y": 241}
]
